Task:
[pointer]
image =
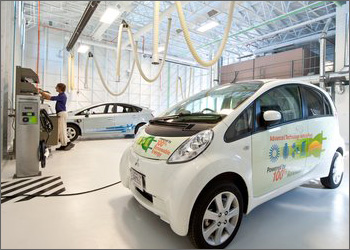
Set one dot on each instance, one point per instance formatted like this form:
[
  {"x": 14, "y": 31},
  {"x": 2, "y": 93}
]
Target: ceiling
[{"x": 256, "y": 25}]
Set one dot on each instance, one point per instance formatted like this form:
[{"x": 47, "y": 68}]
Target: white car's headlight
[{"x": 192, "y": 147}]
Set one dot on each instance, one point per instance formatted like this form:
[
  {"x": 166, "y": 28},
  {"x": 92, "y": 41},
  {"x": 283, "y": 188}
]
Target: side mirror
[
  {"x": 272, "y": 117},
  {"x": 87, "y": 114}
]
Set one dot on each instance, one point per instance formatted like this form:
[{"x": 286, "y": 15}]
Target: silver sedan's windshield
[{"x": 218, "y": 101}]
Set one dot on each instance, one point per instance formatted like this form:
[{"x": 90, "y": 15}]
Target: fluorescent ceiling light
[
  {"x": 110, "y": 15},
  {"x": 207, "y": 26},
  {"x": 83, "y": 48},
  {"x": 161, "y": 48}
]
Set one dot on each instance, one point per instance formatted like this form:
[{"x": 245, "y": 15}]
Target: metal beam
[
  {"x": 89, "y": 11},
  {"x": 296, "y": 41},
  {"x": 267, "y": 22},
  {"x": 289, "y": 28}
]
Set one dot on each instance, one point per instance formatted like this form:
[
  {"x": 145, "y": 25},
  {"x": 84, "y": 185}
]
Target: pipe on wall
[
  {"x": 323, "y": 43},
  {"x": 38, "y": 49},
  {"x": 23, "y": 33},
  {"x": 13, "y": 55}
]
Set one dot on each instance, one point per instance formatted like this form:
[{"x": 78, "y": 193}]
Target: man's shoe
[
  {"x": 61, "y": 148},
  {"x": 69, "y": 147}
]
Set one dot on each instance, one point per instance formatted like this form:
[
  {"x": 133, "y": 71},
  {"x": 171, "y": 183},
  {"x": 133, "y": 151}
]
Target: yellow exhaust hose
[{"x": 189, "y": 41}]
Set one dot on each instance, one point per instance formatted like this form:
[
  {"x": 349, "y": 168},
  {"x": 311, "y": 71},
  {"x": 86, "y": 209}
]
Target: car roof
[
  {"x": 104, "y": 103},
  {"x": 269, "y": 83}
]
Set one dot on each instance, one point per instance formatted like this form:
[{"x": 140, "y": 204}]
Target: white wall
[{"x": 53, "y": 68}]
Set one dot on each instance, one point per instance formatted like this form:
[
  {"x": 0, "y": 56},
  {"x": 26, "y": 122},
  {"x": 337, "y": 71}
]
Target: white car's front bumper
[{"x": 173, "y": 187}]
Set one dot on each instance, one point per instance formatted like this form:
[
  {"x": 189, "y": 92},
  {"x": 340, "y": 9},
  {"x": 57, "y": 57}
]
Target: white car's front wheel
[{"x": 216, "y": 216}]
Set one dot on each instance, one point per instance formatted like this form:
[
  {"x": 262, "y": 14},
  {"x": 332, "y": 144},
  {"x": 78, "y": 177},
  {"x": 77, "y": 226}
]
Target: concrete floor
[{"x": 306, "y": 217}]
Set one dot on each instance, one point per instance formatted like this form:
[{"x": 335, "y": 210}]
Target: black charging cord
[
  {"x": 62, "y": 195},
  {"x": 46, "y": 123}
]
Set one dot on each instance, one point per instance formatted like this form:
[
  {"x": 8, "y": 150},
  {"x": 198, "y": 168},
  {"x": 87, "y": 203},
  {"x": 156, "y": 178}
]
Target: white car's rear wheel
[
  {"x": 216, "y": 216},
  {"x": 336, "y": 172}
]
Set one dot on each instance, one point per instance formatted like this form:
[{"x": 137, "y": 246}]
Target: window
[
  {"x": 111, "y": 109},
  {"x": 94, "y": 110},
  {"x": 119, "y": 109},
  {"x": 284, "y": 99},
  {"x": 220, "y": 100},
  {"x": 314, "y": 102},
  {"x": 241, "y": 127},
  {"x": 127, "y": 109},
  {"x": 137, "y": 109},
  {"x": 327, "y": 106}
]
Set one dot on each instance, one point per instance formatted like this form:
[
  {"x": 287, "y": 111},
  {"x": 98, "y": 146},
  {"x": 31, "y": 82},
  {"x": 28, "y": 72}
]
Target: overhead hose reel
[
  {"x": 71, "y": 84},
  {"x": 189, "y": 41},
  {"x": 102, "y": 78},
  {"x": 86, "y": 85},
  {"x": 134, "y": 48},
  {"x": 155, "y": 54},
  {"x": 119, "y": 48}
]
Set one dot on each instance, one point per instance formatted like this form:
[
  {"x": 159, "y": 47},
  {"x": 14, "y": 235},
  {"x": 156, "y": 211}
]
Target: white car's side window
[
  {"x": 285, "y": 99},
  {"x": 314, "y": 102}
]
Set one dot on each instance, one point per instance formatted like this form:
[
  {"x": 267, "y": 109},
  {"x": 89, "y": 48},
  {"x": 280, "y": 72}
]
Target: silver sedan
[{"x": 107, "y": 119}]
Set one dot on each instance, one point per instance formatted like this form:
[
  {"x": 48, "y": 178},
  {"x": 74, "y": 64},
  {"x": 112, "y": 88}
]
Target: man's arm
[{"x": 45, "y": 95}]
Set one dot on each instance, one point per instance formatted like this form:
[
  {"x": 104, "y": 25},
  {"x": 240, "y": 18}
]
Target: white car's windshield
[{"x": 217, "y": 102}]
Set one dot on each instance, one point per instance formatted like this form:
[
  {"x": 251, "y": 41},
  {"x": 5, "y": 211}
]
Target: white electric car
[
  {"x": 219, "y": 154},
  {"x": 107, "y": 119}
]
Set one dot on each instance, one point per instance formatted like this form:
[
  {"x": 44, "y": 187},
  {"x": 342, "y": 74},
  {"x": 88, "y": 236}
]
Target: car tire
[
  {"x": 336, "y": 172},
  {"x": 73, "y": 132},
  {"x": 217, "y": 211},
  {"x": 138, "y": 127}
]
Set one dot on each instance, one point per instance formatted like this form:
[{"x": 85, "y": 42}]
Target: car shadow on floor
[
  {"x": 105, "y": 138},
  {"x": 141, "y": 228},
  {"x": 314, "y": 183}
]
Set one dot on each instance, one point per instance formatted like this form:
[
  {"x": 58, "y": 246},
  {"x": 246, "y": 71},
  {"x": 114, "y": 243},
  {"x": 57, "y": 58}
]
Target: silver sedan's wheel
[
  {"x": 216, "y": 215},
  {"x": 220, "y": 218},
  {"x": 72, "y": 132}
]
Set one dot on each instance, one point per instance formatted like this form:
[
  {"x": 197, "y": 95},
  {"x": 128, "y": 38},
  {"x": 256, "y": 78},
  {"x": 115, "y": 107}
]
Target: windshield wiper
[
  {"x": 164, "y": 118},
  {"x": 182, "y": 119}
]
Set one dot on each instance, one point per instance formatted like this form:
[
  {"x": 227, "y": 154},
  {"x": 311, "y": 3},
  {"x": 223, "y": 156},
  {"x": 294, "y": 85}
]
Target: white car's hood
[{"x": 156, "y": 147}]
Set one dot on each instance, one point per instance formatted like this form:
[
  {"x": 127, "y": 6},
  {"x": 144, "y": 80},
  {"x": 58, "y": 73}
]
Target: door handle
[
  {"x": 246, "y": 147},
  {"x": 110, "y": 119}
]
